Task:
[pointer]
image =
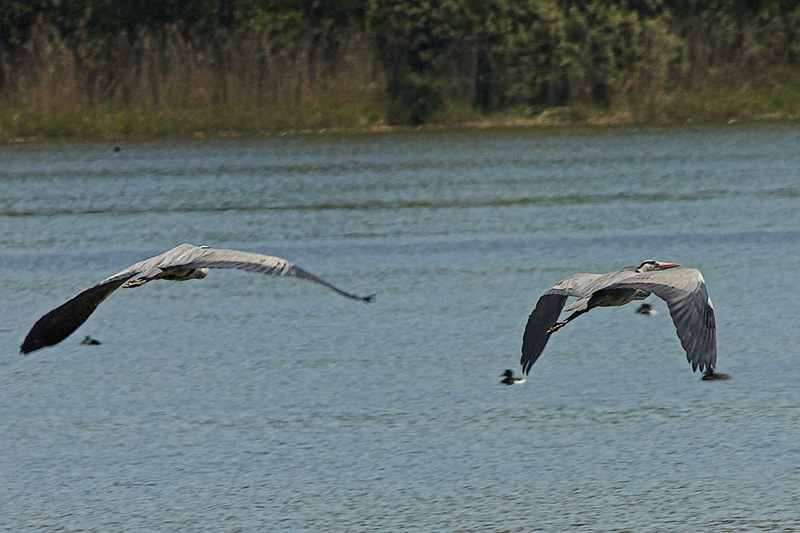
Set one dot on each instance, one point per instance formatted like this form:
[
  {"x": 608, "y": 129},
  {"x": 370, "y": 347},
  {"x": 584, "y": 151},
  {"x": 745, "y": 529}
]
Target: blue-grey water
[{"x": 249, "y": 403}]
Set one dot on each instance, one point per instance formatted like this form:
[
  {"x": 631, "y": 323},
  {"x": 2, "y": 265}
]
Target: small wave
[{"x": 373, "y": 205}]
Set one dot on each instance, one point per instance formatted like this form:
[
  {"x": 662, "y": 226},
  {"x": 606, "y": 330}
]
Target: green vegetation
[{"x": 108, "y": 69}]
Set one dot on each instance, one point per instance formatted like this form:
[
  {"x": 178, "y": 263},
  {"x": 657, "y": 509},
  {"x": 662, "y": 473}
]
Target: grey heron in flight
[
  {"x": 684, "y": 290},
  {"x": 182, "y": 263}
]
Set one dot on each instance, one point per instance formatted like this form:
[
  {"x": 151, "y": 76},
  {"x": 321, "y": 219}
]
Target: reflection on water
[{"x": 271, "y": 404}]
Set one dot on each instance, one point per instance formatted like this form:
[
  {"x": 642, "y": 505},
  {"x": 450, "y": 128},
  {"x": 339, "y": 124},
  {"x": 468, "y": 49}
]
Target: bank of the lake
[
  {"x": 716, "y": 101},
  {"x": 724, "y": 106}
]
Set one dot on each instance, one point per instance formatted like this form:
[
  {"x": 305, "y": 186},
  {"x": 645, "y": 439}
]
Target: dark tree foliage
[
  {"x": 101, "y": 17},
  {"x": 539, "y": 53},
  {"x": 489, "y": 54}
]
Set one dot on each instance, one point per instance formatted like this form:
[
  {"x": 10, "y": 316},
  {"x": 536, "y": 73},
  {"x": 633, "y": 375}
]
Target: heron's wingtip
[{"x": 31, "y": 344}]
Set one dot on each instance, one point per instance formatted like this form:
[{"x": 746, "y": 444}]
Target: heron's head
[{"x": 650, "y": 265}]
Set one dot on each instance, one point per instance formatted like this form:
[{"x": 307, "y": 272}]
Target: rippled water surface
[{"x": 242, "y": 403}]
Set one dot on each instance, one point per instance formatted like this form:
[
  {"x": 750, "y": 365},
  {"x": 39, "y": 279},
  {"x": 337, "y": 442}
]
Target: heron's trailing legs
[
  {"x": 130, "y": 284},
  {"x": 560, "y": 324}
]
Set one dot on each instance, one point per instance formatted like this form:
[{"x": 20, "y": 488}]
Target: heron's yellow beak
[{"x": 668, "y": 265}]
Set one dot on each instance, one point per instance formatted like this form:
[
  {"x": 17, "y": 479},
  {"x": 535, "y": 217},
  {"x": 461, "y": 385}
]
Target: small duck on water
[
  {"x": 710, "y": 375},
  {"x": 89, "y": 341},
  {"x": 646, "y": 309},
  {"x": 509, "y": 379}
]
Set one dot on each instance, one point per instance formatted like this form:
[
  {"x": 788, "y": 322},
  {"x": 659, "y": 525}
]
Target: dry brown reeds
[{"x": 167, "y": 80}]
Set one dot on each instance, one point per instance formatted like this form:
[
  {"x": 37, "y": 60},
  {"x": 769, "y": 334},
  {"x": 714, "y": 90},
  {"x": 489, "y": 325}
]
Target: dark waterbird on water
[
  {"x": 646, "y": 309},
  {"x": 684, "y": 290},
  {"x": 182, "y": 263},
  {"x": 510, "y": 379},
  {"x": 89, "y": 341},
  {"x": 711, "y": 375}
]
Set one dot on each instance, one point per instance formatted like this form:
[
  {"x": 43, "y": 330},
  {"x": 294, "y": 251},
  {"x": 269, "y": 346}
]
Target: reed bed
[
  {"x": 169, "y": 81},
  {"x": 165, "y": 81}
]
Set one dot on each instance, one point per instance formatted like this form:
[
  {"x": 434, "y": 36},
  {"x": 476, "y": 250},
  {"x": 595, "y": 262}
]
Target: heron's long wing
[
  {"x": 260, "y": 264},
  {"x": 691, "y": 309},
  {"x": 61, "y": 322},
  {"x": 58, "y": 324},
  {"x": 546, "y": 312}
]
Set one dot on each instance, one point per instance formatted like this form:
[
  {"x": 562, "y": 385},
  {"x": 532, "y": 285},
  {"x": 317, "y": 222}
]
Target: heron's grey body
[
  {"x": 184, "y": 262},
  {"x": 684, "y": 290}
]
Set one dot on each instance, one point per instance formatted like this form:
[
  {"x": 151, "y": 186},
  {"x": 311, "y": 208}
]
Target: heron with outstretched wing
[
  {"x": 684, "y": 290},
  {"x": 182, "y": 263}
]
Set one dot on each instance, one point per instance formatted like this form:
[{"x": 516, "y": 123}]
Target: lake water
[{"x": 246, "y": 403}]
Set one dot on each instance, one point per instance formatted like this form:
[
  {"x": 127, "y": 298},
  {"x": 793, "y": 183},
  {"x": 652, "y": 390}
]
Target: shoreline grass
[
  {"x": 113, "y": 124},
  {"x": 354, "y": 102},
  {"x": 116, "y": 125}
]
